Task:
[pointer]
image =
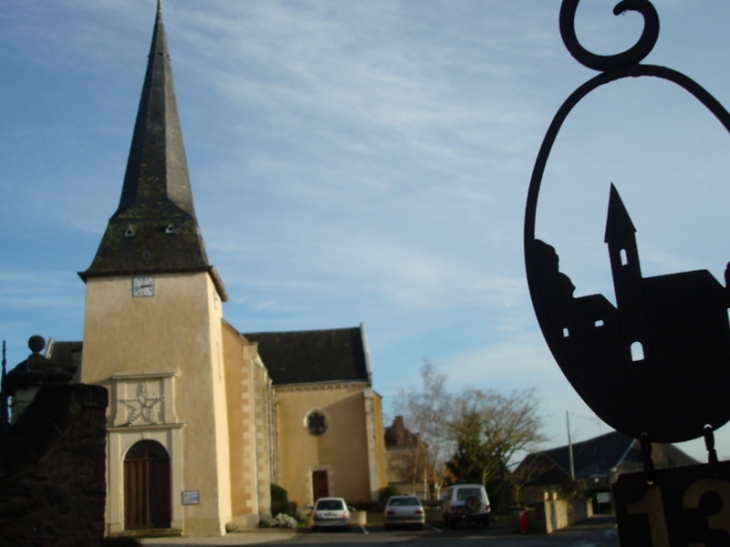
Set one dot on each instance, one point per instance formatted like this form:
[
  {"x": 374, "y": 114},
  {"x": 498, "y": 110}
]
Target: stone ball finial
[{"x": 36, "y": 343}]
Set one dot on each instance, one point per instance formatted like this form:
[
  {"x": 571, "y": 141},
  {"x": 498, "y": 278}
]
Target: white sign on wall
[{"x": 191, "y": 497}]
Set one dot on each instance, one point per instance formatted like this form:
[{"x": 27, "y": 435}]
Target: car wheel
[
  {"x": 387, "y": 526},
  {"x": 423, "y": 526},
  {"x": 473, "y": 504},
  {"x": 485, "y": 522}
]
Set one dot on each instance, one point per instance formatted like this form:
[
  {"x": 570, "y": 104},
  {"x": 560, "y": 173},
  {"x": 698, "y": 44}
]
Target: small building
[
  {"x": 597, "y": 462},
  {"x": 405, "y": 454}
]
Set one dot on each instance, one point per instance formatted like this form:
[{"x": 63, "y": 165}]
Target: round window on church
[{"x": 316, "y": 422}]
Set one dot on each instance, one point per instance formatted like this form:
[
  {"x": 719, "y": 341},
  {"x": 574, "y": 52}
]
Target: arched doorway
[{"x": 146, "y": 486}]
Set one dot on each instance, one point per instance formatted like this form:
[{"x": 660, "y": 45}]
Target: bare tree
[
  {"x": 490, "y": 429},
  {"x": 471, "y": 435},
  {"x": 426, "y": 411}
]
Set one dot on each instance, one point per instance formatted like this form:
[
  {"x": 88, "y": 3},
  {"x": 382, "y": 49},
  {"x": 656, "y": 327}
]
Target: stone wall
[
  {"x": 52, "y": 470},
  {"x": 554, "y": 514}
]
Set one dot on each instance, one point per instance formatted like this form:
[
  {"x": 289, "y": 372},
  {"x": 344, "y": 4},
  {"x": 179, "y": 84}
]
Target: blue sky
[{"x": 366, "y": 161}]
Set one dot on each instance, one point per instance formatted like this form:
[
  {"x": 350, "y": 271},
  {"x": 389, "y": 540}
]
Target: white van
[{"x": 465, "y": 503}]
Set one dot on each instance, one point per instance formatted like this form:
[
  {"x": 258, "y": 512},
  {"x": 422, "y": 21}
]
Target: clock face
[{"x": 143, "y": 286}]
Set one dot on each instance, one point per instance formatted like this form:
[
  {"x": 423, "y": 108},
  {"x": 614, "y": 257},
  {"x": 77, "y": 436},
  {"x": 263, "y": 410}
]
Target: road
[{"x": 597, "y": 532}]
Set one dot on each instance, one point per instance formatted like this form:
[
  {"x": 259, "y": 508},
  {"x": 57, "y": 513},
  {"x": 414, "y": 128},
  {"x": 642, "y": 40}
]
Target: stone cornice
[{"x": 320, "y": 386}]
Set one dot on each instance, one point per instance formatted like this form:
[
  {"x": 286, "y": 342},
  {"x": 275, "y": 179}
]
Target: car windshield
[
  {"x": 329, "y": 505},
  {"x": 463, "y": 493},
  {"x": 401, "y": 502}
]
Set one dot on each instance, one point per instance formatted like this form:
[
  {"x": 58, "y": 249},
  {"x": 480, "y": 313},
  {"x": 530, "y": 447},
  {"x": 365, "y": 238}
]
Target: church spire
[
  {"x": 154, "y": 229},
  {"x": 157, "y": 168}
]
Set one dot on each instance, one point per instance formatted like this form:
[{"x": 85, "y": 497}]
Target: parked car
[
  {"x": 404, "y": 510},
  {"x": 465, "y": 503},
  {"x": 330, "y": 513}
]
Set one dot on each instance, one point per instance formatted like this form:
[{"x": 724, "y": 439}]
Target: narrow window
[
  {"x": 566, "y": 332},
  {"x": 637, "y": 352},
  {"x": 624, "y": 257},
  {"x": 599, "y": 323}
]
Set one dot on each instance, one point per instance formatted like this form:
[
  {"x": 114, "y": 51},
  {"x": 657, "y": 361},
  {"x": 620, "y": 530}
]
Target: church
[{"x": 203, "y": 419}]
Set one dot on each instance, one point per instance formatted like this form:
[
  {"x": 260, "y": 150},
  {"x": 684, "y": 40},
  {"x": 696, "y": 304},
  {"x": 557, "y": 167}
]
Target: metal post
[
  {"x": 570, "y": 446},
  {"x": 4, "y": 414}
]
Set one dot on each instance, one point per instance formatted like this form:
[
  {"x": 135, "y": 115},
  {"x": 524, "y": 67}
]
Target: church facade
[{"x": 203, "y": 419}]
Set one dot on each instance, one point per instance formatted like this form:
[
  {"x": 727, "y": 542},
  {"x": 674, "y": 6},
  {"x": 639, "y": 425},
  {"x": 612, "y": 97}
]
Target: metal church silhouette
[{"x": 657, "y": 361}]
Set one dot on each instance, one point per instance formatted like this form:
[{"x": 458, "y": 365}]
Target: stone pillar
[
  {"x": 23, "y": 382},
  {"x": 52, "y": 470}
]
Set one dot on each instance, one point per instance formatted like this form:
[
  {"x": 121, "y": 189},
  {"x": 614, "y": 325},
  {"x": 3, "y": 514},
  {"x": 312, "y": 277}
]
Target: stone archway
[{"x": 147, "y": 486}]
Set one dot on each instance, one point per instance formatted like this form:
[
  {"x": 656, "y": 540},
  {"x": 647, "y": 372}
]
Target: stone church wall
[{"x": 52, "y": 470}]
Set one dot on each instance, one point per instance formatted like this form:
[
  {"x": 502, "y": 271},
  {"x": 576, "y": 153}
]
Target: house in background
[
  {"x": 405, "y": 456},
  {"x": 597, "y": 461}
]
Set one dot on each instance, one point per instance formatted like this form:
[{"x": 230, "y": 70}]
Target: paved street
[{"x": 597, "y": 532}]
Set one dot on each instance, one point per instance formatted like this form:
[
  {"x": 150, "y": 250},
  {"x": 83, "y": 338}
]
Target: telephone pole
[
  {"x": 570, "y": 446},
  {"x": 4, "y": 415}
]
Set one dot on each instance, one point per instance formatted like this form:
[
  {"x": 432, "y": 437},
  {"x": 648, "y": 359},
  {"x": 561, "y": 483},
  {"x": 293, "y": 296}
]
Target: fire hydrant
[{"x": 524, "y": 522}]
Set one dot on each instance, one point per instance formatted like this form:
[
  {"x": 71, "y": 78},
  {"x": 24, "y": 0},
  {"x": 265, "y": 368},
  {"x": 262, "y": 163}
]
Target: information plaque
[{"x": 191, "y": 497}]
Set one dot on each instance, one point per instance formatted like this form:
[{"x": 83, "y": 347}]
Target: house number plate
[{"x": 684, "y": 507}]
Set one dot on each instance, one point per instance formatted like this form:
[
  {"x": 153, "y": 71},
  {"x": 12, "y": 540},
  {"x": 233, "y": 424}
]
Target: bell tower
[{"x": 152, "y": 331}]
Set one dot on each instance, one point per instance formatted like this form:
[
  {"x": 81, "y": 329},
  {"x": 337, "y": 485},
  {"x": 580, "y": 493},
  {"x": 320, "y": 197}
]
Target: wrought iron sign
[
  {"x": 657, "y": 363},
  {"x": 656, "y": 366}
]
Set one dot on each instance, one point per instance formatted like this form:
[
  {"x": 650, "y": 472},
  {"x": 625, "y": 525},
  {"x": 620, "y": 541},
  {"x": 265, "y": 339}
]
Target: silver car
[
  {"x": 404, "y": 510},
  {"x": 330, "y": 513}
]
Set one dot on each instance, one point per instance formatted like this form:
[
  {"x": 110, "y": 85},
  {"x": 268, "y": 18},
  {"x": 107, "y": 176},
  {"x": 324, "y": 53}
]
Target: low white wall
[{"x": 555, "y": 514}]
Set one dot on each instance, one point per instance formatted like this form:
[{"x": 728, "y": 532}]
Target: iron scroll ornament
[{"x": 680, "y": 380}]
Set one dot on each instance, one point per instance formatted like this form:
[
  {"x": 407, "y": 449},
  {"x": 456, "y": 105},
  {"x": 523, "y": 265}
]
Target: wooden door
[
  {"x": 320, "y": 485},
  {"x": 147, "y": 486}
]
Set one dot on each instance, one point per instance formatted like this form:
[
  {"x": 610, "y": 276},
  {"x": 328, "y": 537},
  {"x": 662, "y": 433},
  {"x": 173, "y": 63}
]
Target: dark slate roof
[
  {"x": 596, "y": 456},
  {"x": 304, "y": 357},
  {"x": 154, "y": 229},
  {"x": 601, "y": 456}
]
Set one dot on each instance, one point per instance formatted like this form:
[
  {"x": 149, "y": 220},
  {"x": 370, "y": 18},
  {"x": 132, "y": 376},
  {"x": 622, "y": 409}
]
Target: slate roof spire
[
  {"x": 157, "y": 167},
  {"x": 154, "y": 229}
]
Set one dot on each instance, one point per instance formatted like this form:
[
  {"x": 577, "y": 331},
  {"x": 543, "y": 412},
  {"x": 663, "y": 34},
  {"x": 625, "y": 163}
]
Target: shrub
[
  {"x": 278, "y": 494},
  {"x": 280, "y": 501}
]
